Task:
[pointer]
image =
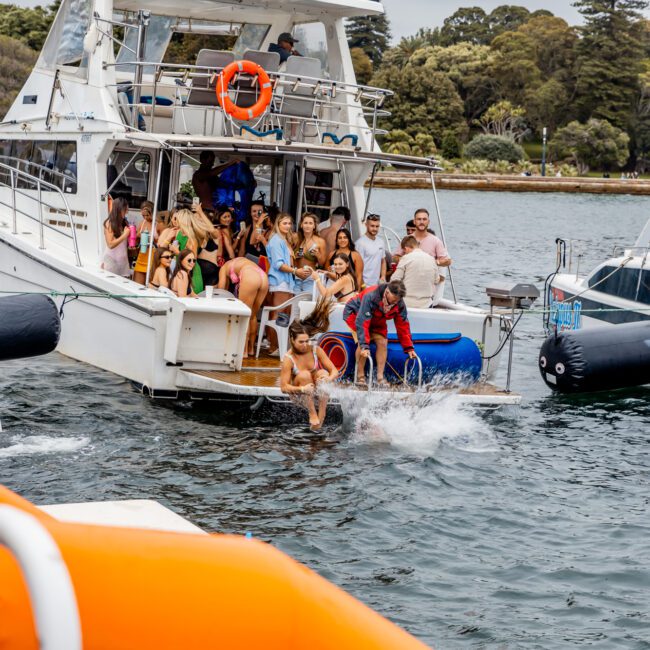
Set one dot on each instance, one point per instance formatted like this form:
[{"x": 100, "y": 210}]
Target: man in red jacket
[{"x": 367, "y": 314}]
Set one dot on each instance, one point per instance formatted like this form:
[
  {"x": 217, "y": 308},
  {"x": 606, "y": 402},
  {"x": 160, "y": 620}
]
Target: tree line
[{"x": 501, "y": 77}]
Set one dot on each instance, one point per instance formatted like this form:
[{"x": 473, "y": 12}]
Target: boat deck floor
[{"x": 264, "y": 372}]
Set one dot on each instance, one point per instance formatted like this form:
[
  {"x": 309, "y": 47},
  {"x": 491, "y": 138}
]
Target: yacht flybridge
[{"x": 103, "y": 114}]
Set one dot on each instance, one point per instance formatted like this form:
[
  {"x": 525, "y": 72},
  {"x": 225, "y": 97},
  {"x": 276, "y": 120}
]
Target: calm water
[{"x": 526, "y": 529}]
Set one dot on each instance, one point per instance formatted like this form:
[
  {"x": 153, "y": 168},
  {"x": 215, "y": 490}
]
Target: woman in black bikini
[
  {"x": 305, "y": 367},
  {"x": 345, "y": 283},
  {"x": 216, "y": 250},
  {"x": 254, "y": 238},
  {"x": 344, "y": 244}
]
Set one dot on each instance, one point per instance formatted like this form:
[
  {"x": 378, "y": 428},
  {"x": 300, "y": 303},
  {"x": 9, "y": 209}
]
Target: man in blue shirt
[{"x": 284, "y": 47}]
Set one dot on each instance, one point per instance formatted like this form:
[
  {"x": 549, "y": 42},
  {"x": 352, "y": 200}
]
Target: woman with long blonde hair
[
  {"x": 310, "y": 251},
  {"x": 193, "y": 232}
]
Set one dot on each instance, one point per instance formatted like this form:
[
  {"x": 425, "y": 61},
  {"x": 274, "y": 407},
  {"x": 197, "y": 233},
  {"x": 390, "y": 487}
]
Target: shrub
[
  {"x": 494, "y": 147},
  {"x": 450, "y": 146}
]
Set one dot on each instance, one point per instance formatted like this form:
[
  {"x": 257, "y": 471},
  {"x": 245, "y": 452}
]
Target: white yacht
[
  {"x": 615, "y": 292},
  {"x": 103, "y": 115}
]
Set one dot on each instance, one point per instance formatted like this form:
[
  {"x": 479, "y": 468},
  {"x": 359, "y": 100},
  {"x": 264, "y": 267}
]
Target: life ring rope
[{"x": 266, "y": 90}]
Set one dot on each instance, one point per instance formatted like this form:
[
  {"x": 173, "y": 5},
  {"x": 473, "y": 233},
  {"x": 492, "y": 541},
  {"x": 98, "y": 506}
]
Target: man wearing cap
[{"x": 284, "y": 47}]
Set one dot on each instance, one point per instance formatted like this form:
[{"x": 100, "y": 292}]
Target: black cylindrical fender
[
  {"x": 29, "y": 326},
  {"x": 601, "y": 358}
]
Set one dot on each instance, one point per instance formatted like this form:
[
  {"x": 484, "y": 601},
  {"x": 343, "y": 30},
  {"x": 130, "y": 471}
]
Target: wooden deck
[{"x": 264, "y": 372}]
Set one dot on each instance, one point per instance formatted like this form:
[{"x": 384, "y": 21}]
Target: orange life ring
[
  {"x": 153, "y": 589},
  {"x": 266, "y": 90}
]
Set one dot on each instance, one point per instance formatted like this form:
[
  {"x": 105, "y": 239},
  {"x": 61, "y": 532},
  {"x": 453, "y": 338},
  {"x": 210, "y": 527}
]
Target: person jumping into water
[
  {"x": 367, "y": 314},
  {"x": 305, "y": 367}
]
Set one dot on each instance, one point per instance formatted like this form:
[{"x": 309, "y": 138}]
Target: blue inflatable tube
[{"x": 442, "y": 355}]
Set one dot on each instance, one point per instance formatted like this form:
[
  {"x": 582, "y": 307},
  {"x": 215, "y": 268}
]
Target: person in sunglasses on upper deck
[{"x": 284, "y": 46}]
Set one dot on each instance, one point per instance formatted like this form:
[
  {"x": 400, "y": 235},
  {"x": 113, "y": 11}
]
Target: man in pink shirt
[{"x": 429, "y": 243}]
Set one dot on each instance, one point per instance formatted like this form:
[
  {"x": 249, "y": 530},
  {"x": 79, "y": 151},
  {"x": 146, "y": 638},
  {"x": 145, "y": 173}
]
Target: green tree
[
  {"x": 16, "y": 62},
  {"x": 506, "y": 18},
  {"x": 362, "y": 65},
  {"x": 594, "y": 144},
  {"x": 25, "y": 24},
  {"x": 467, "y": 25},
  {"x": 554, "y": 45},
  {"x": 371, "y": 34},
  {"x": 514, "y": 68},
  {"x": 505, "y": 120},
  {"x": 494, "y": 147},
  {"x": 451, "y": 147},
  {"x": 469, "y": 67},
  {"x": 400, "y": 142},
  {"x": 547, "y": 105},
  {"x": 609, "y": 58},
  {"x": 424, "y": 101}
]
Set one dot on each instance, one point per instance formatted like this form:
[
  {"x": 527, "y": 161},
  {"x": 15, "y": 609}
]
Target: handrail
[
  {"x": 420, "y": 373},
  {"x": 48, "y": 581},
  {"x": 41, "y": 168},
  {"x": 324, "y": 92},
  {"x": 14, "y": 173},
  {"x": 370, "y": 373}
]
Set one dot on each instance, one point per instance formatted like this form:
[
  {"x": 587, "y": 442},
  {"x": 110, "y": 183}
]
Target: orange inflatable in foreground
[{"x": 147, "y": 589}]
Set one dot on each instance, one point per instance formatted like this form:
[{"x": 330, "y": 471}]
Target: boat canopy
[
  {"x": 188, "y": 144},
  {"x": 253, "y": 10}
]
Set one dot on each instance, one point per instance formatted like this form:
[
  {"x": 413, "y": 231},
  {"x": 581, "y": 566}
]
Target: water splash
[
  {"x": 417, "y": 424},
  {"x": 28, "y": 445}
]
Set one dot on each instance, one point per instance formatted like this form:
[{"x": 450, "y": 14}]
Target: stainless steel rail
[
  {"x": 38, "y": 184},
  {"x": 327, "y": 94}
]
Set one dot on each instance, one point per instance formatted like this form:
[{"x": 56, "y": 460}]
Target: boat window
[
  {"x": 66, "y": 165},
  {"x": 5, "y": 153},
  {"x": 621, "y": 283},
  {"x": 64, "y": 44},
  {"x": 313, "y": 43},
  {"x": 133, "y": 184},
  {"x": 644, "y": 288},
  {"x": 250, "y": 37},
  {"x": 22, "y": 151},
  {"x": 159, "y": 32}
]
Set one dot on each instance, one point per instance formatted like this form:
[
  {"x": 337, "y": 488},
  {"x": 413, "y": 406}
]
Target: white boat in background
[
  {"x": 102, "y": 113},
  {"x": 615, "y": 292}
]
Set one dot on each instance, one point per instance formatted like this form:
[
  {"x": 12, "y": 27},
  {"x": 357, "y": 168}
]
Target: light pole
[{"x": 544, "y": 134}]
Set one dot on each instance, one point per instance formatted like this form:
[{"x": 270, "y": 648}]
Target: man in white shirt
[
  {"x": 373, "y": 252},
  {"x": 419, "y": 273}
]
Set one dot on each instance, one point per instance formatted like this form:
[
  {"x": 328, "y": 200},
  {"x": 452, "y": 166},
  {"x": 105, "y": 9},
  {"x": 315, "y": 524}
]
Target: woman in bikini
[
  {"x": 344, "y": 244},
  {"x": 181, "y": 281},
  {"x": 345, "y": 283},
  {"x": 215, "y": 250},
  {"x": 252, "y": 285},
  {"x": 254, "y": 238},
  {"x": 162, "y": 261},
  {"x": 309, "y": 252},
  {"x": 305, "y": 367}
]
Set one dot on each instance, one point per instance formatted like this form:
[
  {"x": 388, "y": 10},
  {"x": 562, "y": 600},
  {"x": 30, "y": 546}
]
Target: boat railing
[
  {"x": 330, "y": 106},
  {"x": 56, "y": 177},
  {"x": 636, "y": 251},
  {"x": 23, "y": 185}
]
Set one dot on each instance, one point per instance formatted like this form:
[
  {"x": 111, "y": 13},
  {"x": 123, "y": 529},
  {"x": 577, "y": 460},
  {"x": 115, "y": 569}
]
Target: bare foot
[{"x": 314, "y": 422}]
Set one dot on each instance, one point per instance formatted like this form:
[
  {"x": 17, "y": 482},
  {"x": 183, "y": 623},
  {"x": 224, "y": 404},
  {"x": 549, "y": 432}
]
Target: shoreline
[{"x": 508, "y": 183}]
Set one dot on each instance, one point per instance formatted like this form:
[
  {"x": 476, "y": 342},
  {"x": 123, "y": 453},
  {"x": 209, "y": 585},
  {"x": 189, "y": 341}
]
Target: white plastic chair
[{"x": 282, "y": 332}]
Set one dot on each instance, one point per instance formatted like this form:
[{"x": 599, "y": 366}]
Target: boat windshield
[{"x": 209, "y": 34}]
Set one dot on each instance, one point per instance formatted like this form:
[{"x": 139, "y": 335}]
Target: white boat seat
[
  {"x": 246, "y": 87},
  {"x": 300, "y": 102},
  {"x": 282, "y": 332},
  {"x": 203, "y": 89}
]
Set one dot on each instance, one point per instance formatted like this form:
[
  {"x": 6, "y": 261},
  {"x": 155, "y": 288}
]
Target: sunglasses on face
[
  {"x": 189, "y": 260},
  {"x": 166, "y": 257},
  {"x": 258, "y": 211}
]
